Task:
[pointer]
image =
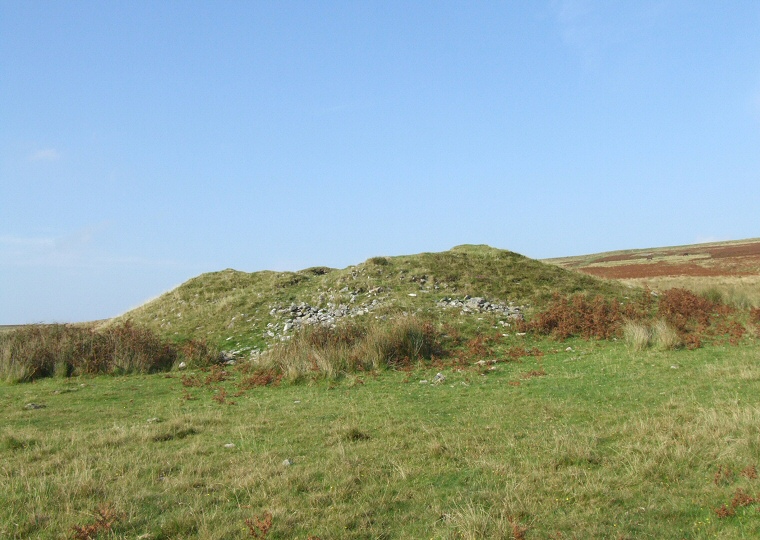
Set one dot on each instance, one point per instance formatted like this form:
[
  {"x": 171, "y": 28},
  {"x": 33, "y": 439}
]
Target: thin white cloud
[
  {"x": 708, "y": 239},
  {"x": 45, "y": 154},
  {"x": 10, "y": 240},
  {"x": 78, "y": 249}
]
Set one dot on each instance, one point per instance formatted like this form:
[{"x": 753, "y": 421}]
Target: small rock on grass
[
  {"x": 229, "y": 445},
  {"x": 287, "y": 463},
  {"x": 34, "y": 406}
]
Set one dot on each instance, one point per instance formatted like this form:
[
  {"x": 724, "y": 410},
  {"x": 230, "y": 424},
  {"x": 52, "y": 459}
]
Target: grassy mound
[{"x": 241, "y": 311}]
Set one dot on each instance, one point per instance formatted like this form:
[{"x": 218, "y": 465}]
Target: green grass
[{"x": 594, "y": 442}]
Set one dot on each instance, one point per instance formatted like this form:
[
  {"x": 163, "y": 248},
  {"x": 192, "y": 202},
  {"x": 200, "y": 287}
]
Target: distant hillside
[
  {"x": 735, "y": 258},
  {"x": 730, "y": 269},
  {"x": 243, "y": 311}
]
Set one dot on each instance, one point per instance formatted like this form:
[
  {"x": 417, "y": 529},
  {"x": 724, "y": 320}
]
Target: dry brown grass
[
  {"x": 333, "y": 352},
  {"x": 31, "y": 352}
]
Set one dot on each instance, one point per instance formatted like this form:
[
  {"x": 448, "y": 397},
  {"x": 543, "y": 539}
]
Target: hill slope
[
  {"x": 242, "y": 311},
  {"x": 729, "y": 269}
]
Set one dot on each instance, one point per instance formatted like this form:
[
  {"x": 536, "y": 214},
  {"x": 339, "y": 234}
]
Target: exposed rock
[
  {"x": 34, "y": 406},
  {"x": 477, "y": 304}
]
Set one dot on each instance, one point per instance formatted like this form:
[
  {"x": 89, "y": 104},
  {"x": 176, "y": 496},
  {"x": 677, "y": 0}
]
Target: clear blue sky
[{"x": 142, "y": 143}]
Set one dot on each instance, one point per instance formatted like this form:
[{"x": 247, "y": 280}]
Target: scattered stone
[
  {"x": 287, "y": 463},
  {"x": 229, "y": 445},
  {"x": 520, "y": 333},
  {"x": 297, "y": 401},
  {"x": 34, "y": 406},
  {"x": 477, "y": 304},
  {"x": 154, "y": 420},
  {"x": 423, "y": 381},
  {"x": 182, "y": 365},
  {"x": 675, "y": 366},
  {"x": 439, "y": 378},
  {"x": 569, "y": 349},
  {"x": 412, "y": 294}
]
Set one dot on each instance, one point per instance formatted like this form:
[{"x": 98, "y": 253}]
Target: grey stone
[{"x": 34, "y": 406}]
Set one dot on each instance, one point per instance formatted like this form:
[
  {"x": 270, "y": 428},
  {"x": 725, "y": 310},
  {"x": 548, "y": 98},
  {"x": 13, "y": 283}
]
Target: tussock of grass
[
  {"x": 637, "y": 335},
  {"x": 351, "y": 347},
  {"x": 640, "y": 335},
  {"x": 32, "y": 352},
  {"x": 665, "y": 336}
]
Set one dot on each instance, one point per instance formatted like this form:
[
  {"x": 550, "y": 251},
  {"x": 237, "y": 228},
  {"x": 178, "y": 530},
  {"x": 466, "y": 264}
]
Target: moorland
[{"x": 473, "y": 393}]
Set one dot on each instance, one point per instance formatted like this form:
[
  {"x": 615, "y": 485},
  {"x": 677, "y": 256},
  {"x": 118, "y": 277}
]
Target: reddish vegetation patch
[
  {"x": 626, "y": 257},
  {"x": 658, "y": 269},
  {"x": 727, "y": 260},
  {"x": 742, "y": 250}
]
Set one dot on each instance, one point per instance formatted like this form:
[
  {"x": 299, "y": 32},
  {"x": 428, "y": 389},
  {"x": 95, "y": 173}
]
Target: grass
[
  {"x": 639, "y": 335},
  {"x": 607, "y": 443},
  {"x": 352, "y": 347}
]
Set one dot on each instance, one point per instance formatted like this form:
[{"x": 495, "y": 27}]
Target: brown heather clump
[
  {"x": 105, "y": 518},
  {"x": 750, "y": 472},
  {"x": 680, "y": 318},
  {"x": 724, "y": 511},
  {"x": 688, "y": 311},
  {"x": 597, "y": 318},
  {"x": 258, "y": 527}
]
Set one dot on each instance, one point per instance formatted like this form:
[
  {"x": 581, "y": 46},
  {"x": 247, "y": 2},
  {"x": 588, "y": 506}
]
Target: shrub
[
  {"x": 35, "y": 351},
  {"x": 578, "y": 316},
  {"x": 198, "y": 353},
  {"x": 686, "y": 310}
]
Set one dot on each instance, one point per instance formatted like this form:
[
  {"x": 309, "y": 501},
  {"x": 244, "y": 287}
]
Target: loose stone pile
[
  {"x": 476, "y": 304},
  {"x": 298, "y": 315}
]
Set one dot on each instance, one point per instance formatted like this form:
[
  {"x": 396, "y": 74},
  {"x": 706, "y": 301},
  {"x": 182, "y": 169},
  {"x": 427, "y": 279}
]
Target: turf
[{"x": 593, "y": 442}]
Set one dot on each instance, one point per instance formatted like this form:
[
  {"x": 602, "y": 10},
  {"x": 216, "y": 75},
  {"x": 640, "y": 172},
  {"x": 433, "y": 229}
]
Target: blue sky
[{"x": 142, "y": 143}]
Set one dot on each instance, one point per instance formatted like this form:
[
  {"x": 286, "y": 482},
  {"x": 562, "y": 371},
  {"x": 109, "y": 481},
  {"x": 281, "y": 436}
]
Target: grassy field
[
  {"x": 410, "y": 419},
  {"x": 592, "y": 442}
]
